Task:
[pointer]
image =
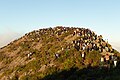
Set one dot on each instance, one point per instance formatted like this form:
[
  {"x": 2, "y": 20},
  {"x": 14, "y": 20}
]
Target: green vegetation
[
  {"x": 43, "y": 64},
  {"x": 2, "y": 56}
]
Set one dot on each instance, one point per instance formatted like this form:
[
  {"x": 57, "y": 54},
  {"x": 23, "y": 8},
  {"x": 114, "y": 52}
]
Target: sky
[{"x": 18, "y": 17}]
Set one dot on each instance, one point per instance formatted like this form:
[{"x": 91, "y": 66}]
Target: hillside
[{"x": 55, "y": 54}]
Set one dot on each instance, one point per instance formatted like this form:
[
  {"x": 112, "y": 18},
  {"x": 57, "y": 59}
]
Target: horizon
[{"x": 20, "y": 17}]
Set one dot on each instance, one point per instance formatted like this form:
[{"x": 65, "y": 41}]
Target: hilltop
[{"x": 55, "y": 54}]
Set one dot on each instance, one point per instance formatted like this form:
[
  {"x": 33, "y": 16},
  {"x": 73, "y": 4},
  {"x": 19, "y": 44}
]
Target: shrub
[{"x": 2, "y": 56}]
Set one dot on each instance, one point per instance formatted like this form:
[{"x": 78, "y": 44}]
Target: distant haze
[
  {"x": 116, "y": 45},
  {"x": 6, "y": 38}
]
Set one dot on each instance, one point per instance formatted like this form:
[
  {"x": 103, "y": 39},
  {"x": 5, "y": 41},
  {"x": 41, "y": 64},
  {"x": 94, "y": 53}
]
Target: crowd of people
[
  {"x": 108, "y": 60},
  {"x": 85, "y": 41},
  {"x": 89, "y": 41}
]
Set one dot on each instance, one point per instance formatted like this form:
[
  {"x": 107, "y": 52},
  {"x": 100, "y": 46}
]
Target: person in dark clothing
[{"x": 107, "y": 59}]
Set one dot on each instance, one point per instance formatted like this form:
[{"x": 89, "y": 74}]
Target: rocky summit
[{"x": 59, "y": 53}]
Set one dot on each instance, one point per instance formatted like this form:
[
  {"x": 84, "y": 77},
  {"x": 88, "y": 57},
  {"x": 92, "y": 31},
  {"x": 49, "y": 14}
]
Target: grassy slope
[{"x": 14, "y": 63}]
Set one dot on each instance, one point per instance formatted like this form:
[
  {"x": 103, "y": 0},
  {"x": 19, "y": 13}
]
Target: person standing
[
  {"x": 107, "y": 58},
  {"x": 83, "y": 56},
  {"x": 102, "y": 60},
  {"x": 115, "y": 60}
]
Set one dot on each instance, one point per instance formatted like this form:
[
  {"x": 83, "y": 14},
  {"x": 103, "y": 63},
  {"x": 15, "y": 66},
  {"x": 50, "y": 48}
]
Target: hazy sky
[{"x": 20, "y": 16}]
